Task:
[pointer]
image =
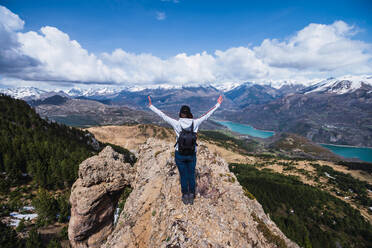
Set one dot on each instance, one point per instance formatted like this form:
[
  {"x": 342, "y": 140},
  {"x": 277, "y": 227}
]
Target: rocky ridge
[{"x": 154, "y": 215}]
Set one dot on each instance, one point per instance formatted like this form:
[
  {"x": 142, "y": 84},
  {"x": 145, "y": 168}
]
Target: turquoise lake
[
  {"x": 362, "y": 153},
  {"x": 246, "y": 129}
]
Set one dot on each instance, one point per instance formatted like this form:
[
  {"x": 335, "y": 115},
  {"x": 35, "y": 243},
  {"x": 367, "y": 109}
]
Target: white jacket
[{"x": 184, "y": 122}]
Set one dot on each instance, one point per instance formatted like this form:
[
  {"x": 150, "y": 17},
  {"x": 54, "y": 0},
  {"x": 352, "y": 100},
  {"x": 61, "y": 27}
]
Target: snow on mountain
[
  {"x": 342, "y": 85},
  {"x": 23, "y": 92},
  {"x": 286, "y": 83},
  {"x": 154, "y": 86},
  {"x": 106, "y": 91},
  {"x": 75, "y": 92},
  {"x": 103, "y": 91},
  {"x": 168, "y": 87},
  {"x": 226, "y": 86},
  {"x": 339, "y": 85},
  {"x": 32, "y": 93}
]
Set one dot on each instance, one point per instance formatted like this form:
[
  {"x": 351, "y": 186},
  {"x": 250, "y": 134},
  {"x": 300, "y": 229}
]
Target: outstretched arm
[
  {"x": 165, "y": 117},
  {"x": 197, "y": 122}
]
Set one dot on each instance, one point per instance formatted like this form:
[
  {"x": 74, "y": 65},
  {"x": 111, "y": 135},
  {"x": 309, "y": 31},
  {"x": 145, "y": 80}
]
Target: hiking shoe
[
  {"x": 185, "y": 199},
  {"x": 191, "y": 197}
]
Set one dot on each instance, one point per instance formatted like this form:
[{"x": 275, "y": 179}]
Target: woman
[{"x": 186, "y": 128}]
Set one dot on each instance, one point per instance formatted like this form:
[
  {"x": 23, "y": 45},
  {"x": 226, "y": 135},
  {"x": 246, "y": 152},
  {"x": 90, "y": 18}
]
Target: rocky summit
[{"x": 154, "y": 215}]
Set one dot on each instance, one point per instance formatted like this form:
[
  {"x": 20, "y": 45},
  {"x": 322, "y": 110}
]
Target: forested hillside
[
  {"x": 307, "y": 215},
  {"x": 39, "y": 162},
  {"x": 48, "y": 152}
]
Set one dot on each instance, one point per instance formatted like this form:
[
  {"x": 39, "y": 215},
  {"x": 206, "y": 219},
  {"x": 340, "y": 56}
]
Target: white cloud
[
  {"x": 12, "y": 60},
  {"x": 62, "y": 58},
  {"x": 318, "y": 47},
  {"x": 316, "y": 51},
  {"x": 239, "y": 64},
  {"x": 160, "y": 15},
  {"x": 10, "y": 20}
]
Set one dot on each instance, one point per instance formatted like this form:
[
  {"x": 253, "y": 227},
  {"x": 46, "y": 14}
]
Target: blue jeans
[{"x": 186, "y": 167}]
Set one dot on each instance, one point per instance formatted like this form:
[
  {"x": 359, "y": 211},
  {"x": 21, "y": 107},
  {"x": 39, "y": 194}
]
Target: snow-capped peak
[
  {"x": 224, "y": 87},
  {"x": 154, "y": 86},
  {"x": 282, "y": 83},
  {"x": 75, "y": 92},
  {"x": 170, "y": 87},
  {"x": 342, "y": 85},
  {"x": 105, "y": 91},
  {"x": 23, "y": 92}
]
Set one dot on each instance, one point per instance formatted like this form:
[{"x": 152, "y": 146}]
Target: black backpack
[{"x": 187, "y": 141}]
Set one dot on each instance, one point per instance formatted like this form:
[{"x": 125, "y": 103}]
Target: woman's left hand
[{"x": 149, "y": 101}]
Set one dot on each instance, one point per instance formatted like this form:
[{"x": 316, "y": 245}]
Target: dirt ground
[{"x": 130, "y": 137}]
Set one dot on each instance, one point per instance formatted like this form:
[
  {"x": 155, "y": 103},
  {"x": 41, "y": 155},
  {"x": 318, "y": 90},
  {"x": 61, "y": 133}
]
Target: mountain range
[{"x": 335, "y": 110}]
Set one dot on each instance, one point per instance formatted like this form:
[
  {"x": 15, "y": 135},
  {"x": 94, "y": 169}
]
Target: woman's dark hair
[{"x": 185, "y": 111}]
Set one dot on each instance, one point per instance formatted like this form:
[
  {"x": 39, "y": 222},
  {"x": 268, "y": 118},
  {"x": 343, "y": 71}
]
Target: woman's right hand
[
  {"x": 149, "y": 101},
  {"x": 219, "y": 100}
]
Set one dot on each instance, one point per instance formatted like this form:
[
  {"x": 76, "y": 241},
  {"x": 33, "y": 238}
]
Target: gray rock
[{"x": 94, "y": 197}]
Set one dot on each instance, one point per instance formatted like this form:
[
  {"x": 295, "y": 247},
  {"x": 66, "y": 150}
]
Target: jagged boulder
[
  {"x": 154, "y": 215},
  {"x": 94, "y": 197}
]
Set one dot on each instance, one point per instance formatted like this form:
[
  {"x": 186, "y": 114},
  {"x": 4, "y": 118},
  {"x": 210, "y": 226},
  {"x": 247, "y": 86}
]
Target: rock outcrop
[
  {"x": 154, "y": 215},
  {"x": 94, "y": 197}
]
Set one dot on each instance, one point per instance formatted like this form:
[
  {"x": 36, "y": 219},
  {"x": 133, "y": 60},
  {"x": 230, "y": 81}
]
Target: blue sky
[
  {"x": 162, "y": 41},
  {"x": 190, "y": 26}
]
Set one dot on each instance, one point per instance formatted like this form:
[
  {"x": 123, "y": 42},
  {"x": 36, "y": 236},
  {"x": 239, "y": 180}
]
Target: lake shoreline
[
  {"x": 346, "y": 151},
  {"x": 268, "y": 131},
  {"x": 273, "y": 132},
  {"x": 361, "y": 153},
  {"x": 345, "y": 145}
]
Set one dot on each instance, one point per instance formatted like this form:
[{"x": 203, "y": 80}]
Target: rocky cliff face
[
  {"x": 154, "y": 215},
  {"x": 94, "y": 197}
]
